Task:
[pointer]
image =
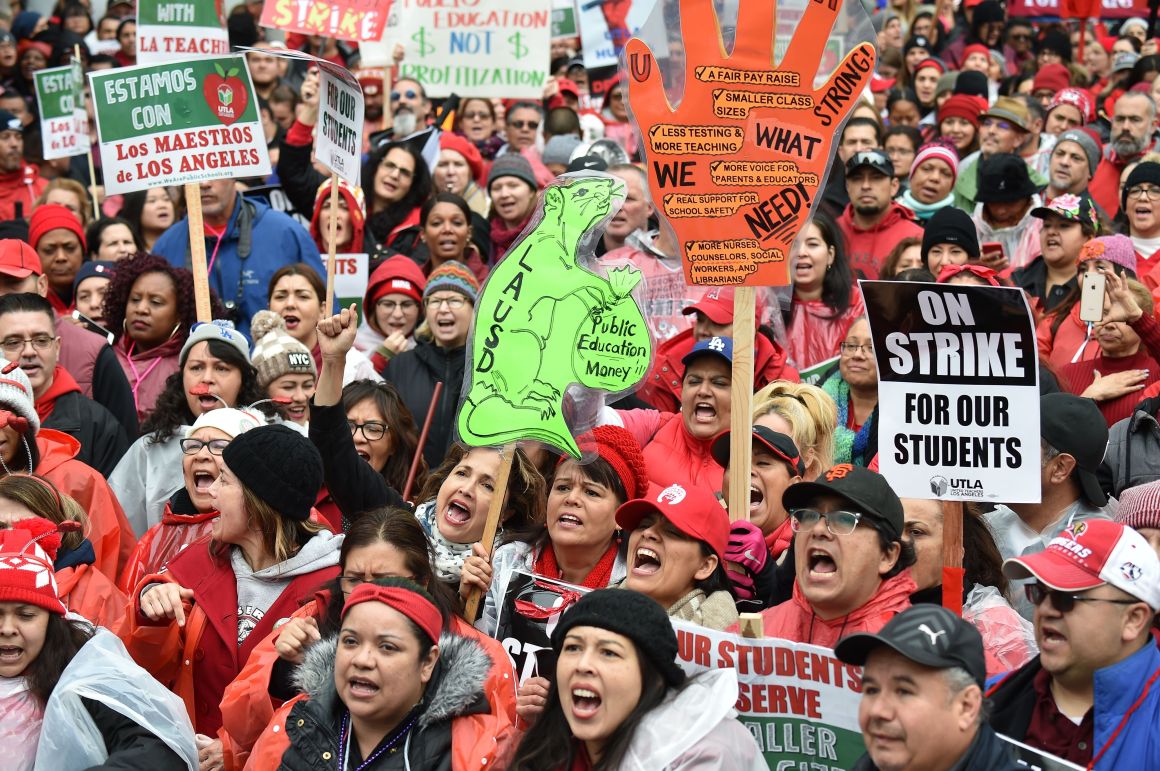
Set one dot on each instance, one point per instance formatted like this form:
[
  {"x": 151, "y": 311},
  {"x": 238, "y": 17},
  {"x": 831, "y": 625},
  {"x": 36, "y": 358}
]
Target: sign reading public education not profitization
[{"x": 168, "y": 124}]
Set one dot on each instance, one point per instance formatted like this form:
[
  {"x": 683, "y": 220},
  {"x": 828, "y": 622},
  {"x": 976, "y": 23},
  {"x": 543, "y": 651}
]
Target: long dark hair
[
  {"x": 549, "y": 743},
  {"x": 172, "y": 409},
  {"x": 62, "y": 639},
  {"x": 399, "y": 528},
  {"x": 1072, "y": 298},
  {"x": 839, "y": 279},
  {"x": 399, "y": 422},
  {"x": 381, "y": 223},
  {"x": 982, "y": 562}
]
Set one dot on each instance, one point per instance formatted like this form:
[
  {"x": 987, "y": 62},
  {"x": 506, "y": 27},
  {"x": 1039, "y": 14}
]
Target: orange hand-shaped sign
[{"x": 737, "y": 165}]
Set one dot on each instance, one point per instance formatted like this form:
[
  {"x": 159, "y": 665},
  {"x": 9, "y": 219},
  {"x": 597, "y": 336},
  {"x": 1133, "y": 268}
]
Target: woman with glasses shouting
[{"x": 854, "y": 388}]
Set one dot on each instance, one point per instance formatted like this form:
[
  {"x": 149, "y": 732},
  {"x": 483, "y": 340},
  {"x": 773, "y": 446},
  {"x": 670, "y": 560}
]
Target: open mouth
[
  {"x": 756, "y": 498},
  {"x": 646, "y": 562},
  {"x": 703, "y": 412},
  {"x": 296, "y": 413},
  {"x": 362, "y": 688},
  {"x": 585, "y": 703},
  {"x": 821, "y": 563},
  {"x": 364, "y": 455},
  {"x": 569, "y": 521},
  {"x": 291, "y": 321},
  {"x": 1051, "y": 638},
  {"x": 447, "y": 326},
  {"x": 202, "y": 481},
  {"x": 10, "y": 654},
  {"x": 457, "y": 513}
]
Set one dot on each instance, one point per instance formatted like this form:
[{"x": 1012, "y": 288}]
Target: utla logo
[{"x": 225, "y": 93}]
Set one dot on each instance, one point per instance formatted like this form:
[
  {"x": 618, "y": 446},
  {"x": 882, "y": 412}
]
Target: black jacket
[
  {"x": 129, "y": 745},
  {"x": 455, "y": 690},
  {"x": 414, "y": 373},
  {"x": 112, "y": 391},
  {"x": 355, "y": 486},
  {"x": 1013, "y": 700},
  {"x": 1133, "y": 454},
  {"x": 987, "y": 753},
  {"x": 101, "y": 435}
]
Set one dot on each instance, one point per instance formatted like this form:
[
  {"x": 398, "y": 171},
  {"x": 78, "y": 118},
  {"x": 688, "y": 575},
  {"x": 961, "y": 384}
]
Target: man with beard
[
  {"x": 1133, "y": 121},
  {"x": 410, "y": 107},
  {"x": 1090, "y": 696},
  {"x": 20, "y": 182},
  {"x": 1074, "y": 161},
  {"x": 873, "y": 222}
]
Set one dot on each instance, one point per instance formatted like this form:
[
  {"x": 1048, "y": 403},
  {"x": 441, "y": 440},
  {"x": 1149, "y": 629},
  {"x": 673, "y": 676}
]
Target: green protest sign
[
  {"x": 545, "y": 321},
  {"x": 564, "y": 19},
  {"x": 64, "y": 123},
  {"x": 171, "y": 30},
  {"x": 170, "y": 124},
  {"x": 799, "y": 701}
]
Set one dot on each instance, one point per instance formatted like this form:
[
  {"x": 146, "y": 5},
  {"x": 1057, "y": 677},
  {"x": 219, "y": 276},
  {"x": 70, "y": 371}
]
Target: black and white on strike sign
[
  {"x": 532, "y": 606},
  {"x": 958, "y": 390}
]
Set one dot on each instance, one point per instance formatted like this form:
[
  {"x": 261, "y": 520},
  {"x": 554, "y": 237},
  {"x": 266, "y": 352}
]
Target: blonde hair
[
  {"x": 77, "y": 189},
  {"x": 812, "y": 417},
  {"x": 281, "y": 537}
]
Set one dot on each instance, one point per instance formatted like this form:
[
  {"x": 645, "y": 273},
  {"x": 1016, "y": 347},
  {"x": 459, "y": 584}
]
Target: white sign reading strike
[
  {"x": 168, "y": 124},
  {"x": 64, "y": 123},
  {"x": 958, "y": 391}
]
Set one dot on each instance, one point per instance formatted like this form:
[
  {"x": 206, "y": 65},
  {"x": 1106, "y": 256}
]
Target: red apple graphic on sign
[{"x": 225, "y": 93}]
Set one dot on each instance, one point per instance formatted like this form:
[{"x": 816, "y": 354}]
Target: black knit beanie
[
  {"x": 1148, "y": 172},
  {"x": 987, "y": 11},
  {"x": 278, "y": 465},
  {"x": 950, "y": 225},
  {"x": 972, "y": 83},
  {"x": 634, "y": 615}
]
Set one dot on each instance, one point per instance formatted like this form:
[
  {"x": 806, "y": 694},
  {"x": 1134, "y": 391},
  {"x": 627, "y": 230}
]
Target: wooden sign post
[
  {"x": 197, "y": 251},
  {"x": 494, "y": 512},
  {"x": 741, "y": 397}
]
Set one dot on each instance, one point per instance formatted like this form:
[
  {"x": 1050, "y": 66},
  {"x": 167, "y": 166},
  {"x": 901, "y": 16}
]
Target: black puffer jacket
[
  {"x": 1133, "y": 454},
  {"x": 456, "y": 689},
  {"x": 102, "y": 438},
  {"x": 414, "y": 373}
]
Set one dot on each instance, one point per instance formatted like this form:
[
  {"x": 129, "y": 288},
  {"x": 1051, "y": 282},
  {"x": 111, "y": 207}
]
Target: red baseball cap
[
  {"x": 694, "y": 511},
  {"x": 1092, "y": 553},
  {"x": 18, "y": 259},
  {"x": 717, "y": 305}
]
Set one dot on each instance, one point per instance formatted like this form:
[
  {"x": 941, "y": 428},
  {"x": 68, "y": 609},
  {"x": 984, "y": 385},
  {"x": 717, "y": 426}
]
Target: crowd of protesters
[{"x": 231, "y": 544}]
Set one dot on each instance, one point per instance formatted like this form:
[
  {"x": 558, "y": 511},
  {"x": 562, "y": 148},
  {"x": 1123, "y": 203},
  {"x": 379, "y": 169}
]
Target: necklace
[{"x": 344, "y": 743}]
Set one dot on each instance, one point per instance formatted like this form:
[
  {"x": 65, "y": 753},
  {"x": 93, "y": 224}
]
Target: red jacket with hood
[
  {"x": 673, "y": 455},
  {"x": 20, "y": 187},
  {"x": 868, "y": 248},
  {"x": 163, "y": 542},
  {"x": 796, "y": 621},
  {"x": 1058, "y": 349}
]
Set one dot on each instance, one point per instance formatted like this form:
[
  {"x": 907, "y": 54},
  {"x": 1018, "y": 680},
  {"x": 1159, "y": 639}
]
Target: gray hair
[
  {"x": 958, "y": 680},
  {"x": 1139, "y": 95}
]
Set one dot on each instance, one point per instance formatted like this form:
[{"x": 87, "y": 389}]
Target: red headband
[
  {"x": 950, "y": 271},
  {"x": 411, "y": 604}
]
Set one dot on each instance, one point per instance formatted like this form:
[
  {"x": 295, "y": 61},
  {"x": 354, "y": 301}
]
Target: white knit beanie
[
  {"x": 16, "y": 394},
  {"x": 276, "y": 353},
  {"x": 228, "y": 420}
]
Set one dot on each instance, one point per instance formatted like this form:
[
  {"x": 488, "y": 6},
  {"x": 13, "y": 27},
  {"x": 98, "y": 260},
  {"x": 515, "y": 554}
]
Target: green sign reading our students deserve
[
  {"x": 168, "y": 124},
  {"x": 64, "y": 123},
  {"x": 169, "y": 30}
]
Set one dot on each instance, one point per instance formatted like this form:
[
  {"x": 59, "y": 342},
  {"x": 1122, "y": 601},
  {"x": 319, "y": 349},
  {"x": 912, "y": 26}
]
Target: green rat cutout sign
[{"x": 546, "y": 321}]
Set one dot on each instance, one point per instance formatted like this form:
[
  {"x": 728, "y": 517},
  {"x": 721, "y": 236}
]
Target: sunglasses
[
  {"x": 476, "y": 115},
  {"x": 530, "y": 125},
  {"x": 1064, "y": 602},
  {"x": 409, "y": 93}
]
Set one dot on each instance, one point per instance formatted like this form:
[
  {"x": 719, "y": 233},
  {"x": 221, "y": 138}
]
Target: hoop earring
[{"x": 174, "y": 332}]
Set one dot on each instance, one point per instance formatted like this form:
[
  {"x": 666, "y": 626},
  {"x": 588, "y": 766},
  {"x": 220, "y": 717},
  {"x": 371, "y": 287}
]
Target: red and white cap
[
  {"x": 26, "y": 573},
  {"x": 1092, "y": 553},
  {"x": 694, "y": 511}
]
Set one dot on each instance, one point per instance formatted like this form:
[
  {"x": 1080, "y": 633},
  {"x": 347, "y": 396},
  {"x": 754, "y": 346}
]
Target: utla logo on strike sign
[{"x": 222, "y": 89}]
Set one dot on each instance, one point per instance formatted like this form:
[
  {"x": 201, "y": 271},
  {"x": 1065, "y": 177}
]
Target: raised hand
[
  {"x": 295, "y": 636},
  {"x": 737, "y": 165},
  {"x": 336, "y": 334}
]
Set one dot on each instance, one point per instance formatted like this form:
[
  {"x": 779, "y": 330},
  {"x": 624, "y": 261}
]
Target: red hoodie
[
  {"x": 62, "y": 383},
  {"x": 20, "y": 187},
  {"x": 868, "y": 248}
]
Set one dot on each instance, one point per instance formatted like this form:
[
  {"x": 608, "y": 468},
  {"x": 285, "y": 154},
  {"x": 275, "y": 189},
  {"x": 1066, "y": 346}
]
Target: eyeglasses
[
  {"x": 849, "y": 349},
  {"x": 372, "y": 430},
  {"x": 409, "y": 93},
  {"x": 1000, "y": 124},
  {"x": 390, "y": 306},
  {"x": 349, "y": 583},
  {"x": 1062, "y": 601},
  {"x": 837, "y": 522},
  {"x": 193, "y": 446},
  {"x": 454, "y": 303},
  {"x": 1136, "y": 191},
  {"x": 476, "y": 115},
  {"x": 393, "y": 168},
  {"x": 530, "y": 125},
  {"x": 16, "y": 344}
]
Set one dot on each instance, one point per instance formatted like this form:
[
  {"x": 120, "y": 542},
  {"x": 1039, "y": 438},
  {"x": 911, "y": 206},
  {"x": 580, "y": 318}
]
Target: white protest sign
[
  {"x": 351, "y": 272},
  {"x": 605, "y": 28},
  {"x": 958, "y": 391},
  {"x": 169, "y": 124},
  {"x": 499, "y": 49},
  {"x": 340, "y": 123},
  {"x": 171, "y": 30},
  {"x": 64, "y": 123}
]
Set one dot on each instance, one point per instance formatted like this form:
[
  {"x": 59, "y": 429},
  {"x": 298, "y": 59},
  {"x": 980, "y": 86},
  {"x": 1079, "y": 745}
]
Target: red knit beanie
[
  {"x": 620, "y": 450},
  {"x": 26, "y": 573},
  {"x": 976, "y": 48},
  {"x": 397, "y": 274},
  {"x": 965, "y": 106},
  {"x": 51, "y": 216},
  {"x": 461, "y": 145}
]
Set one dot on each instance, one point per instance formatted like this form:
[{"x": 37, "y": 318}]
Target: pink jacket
[{"x": 672, "y": 454}]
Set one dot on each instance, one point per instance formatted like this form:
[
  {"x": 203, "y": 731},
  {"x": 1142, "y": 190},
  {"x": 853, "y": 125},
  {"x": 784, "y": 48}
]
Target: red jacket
[
  {"x": 89, "y": 592},
  {"x": 1075, "y": 378},
  {"x": 868, "y": 248},
  {"x": 1104, "y": 187},
  {"x": 162, "y": 542},
  {"x": 20, "y": 187},
  {"x": 199, "y": 660},
  {"x": 815, "y": 333},
  {"x": 111, "y": 535},
  {"x": 663, "y": 388},
  {"x": 1058, "y": 349},
  {"x": 796, "y": 621},
  {"x": 248, "y": 708},
  {"x": 672, "y": 454}
]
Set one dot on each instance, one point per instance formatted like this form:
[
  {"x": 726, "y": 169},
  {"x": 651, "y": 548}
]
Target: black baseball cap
[
  {"x": 1075, "y": 425},
  {"x": 929, "y": 635},
  {"x": 9, "y": 122},
  {"x": 875, "y": 159},
  {"x": 778, "y": 443},
  {"x": 868, "y": 491},
  {"x": 588, "y": 163}
]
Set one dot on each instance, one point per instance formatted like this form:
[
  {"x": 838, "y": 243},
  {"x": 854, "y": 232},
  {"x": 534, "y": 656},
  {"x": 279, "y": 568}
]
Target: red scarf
[{"x": 598, "y": 578}]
